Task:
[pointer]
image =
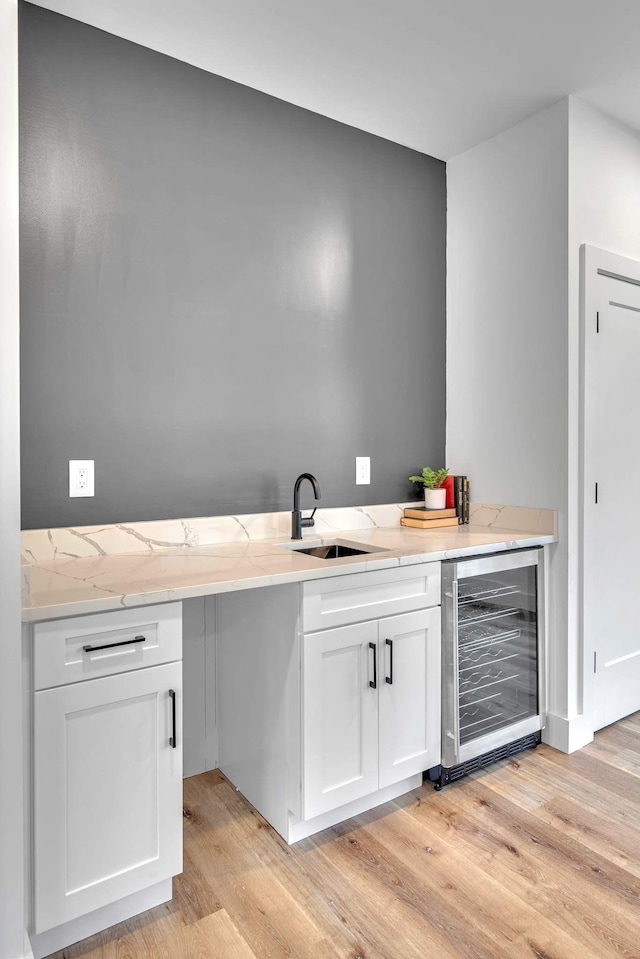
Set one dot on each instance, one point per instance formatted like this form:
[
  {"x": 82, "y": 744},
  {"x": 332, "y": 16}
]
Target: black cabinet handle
[
  {"x": 389, "y": 678},
  {"x": 125, "y": 642},
  {"x": 374, "y": 684},
  {"x": 173, "y": 739}
]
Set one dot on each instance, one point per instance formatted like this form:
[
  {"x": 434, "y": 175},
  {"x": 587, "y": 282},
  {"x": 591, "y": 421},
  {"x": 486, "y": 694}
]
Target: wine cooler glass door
[{"x": 493, "y": 654}]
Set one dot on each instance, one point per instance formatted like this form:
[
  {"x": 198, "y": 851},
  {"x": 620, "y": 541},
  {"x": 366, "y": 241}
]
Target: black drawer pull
[
  {"x": 125, "y": 642},
  {"x": 389, "y": 678},
  {"x": 374, "y": 684},
  {"x": 173, "y": 739}
]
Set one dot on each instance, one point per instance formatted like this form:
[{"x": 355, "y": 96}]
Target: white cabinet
[
  {"x": 371, "y": 713},
  {"x": 302, "y": 732},
  {"x": 107, "y": 771}
]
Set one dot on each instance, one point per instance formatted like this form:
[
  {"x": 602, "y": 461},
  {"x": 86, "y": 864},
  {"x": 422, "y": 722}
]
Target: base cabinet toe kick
[
  {"x": 331, "y": 699},
  {"x": 106, "y": 770}
]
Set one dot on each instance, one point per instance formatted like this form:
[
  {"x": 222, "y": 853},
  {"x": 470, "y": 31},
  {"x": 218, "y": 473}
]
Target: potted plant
[{"x": 434, "y": 496}]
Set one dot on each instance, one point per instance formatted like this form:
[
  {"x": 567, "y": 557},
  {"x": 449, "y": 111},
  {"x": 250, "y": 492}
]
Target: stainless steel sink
[{"x": 335, "y": 549}]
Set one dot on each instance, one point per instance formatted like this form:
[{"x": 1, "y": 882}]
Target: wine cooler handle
[
  {"x": 456, "y": 670},
  {"x": 374, "y": 684},
  {"x": 389, "y": 678}
]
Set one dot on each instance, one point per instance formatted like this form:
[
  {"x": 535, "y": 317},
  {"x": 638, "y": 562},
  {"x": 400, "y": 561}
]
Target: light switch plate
[
  {"x": 81, "y": 477},
  {"x": 363, "y": 470}
]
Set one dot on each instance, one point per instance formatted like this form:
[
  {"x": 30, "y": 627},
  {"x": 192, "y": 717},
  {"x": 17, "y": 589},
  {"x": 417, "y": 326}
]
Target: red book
[{"x": 448, "y": 485}]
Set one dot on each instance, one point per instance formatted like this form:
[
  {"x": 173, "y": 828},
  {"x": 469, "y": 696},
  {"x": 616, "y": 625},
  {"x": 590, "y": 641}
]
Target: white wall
[
  {"x": 11, "y": 795},
  {"x": 604, "y": 185},
  {"x": 507, "y": 340},
  {"x": 604, "y": 211},
  {"x": 507, "y": 302}
]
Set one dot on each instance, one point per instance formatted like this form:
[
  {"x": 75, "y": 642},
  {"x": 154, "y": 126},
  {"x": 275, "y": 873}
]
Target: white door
[
  {"x": 108, "y": 790},
  {"x": 612, "y": 488},
  {"x": 340, "y": 716},
  {"x": 409, "y": 720}
]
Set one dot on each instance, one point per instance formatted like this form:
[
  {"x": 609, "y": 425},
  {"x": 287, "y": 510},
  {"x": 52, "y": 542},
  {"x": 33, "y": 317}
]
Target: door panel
[
  {"x": 103, "y": 759},
  {"x": 612, "y": 559},
  {"x": 409, "y": 721},
  {"x": 340, "y": 717},
  {"x": 108, "y": 791}
]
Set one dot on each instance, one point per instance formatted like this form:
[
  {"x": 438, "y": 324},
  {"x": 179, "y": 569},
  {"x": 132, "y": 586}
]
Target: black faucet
[{"x": 297, "y": 522}]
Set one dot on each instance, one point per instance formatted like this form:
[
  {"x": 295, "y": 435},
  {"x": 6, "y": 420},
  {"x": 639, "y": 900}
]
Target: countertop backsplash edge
[{"x": 49, "y": 545}]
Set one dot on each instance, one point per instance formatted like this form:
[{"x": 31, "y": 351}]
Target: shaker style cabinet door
[
  {"x": 409, "y": 718},
  {"x": 107, "y": 790},
  {"x": 340, "y": 717}
]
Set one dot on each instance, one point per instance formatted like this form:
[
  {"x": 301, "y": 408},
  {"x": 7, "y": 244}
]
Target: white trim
[
  {"x": 567, "y": 735},
  {"x": 12, "y": 892}
]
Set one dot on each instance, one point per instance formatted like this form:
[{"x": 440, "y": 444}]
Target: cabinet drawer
[
  {"x": 386, "y": 592},
  {"x": 85, "y": 647}
]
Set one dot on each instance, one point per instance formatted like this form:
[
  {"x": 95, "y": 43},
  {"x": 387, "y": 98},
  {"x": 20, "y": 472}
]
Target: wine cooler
[{"x": 492, "y": 660}]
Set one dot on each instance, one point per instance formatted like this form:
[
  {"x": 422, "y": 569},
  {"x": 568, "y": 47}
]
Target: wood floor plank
[
  {"x": 322, "y": 892},
  {"x": 372, "y": 898},
  {"x": 493, "y": 905},
  {"x": 252, "y": 894},
  {"x": 212, "y": 937},
  {"x": 421, "y": 893},
  {"x": 596, "y": 825},
  {"x": 537, "y": 857},
  {"x": 579, "y": 891},
  {"x": 193, "y": 895},
  {"x": 597, "y": 773}
]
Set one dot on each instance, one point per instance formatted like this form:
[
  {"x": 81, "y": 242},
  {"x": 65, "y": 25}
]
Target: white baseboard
[
  {"x": 567, "y": 735},
  {"x": 54, "y": 939}
]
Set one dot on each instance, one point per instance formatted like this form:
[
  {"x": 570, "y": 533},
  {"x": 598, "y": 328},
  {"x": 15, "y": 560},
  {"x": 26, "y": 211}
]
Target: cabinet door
[
  {"x": 108, "y": 791},
  {"x": 409, "y": 720},
  {"x": 340, "y": 717}
]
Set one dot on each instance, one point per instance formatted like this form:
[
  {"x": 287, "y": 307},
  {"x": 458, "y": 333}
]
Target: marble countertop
[{"x": 75, "y": 585}]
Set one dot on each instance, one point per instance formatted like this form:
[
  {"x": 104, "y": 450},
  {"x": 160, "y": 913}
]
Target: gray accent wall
[{"x": 219, "y": 291}]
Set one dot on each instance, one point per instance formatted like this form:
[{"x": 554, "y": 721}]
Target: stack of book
[
  {"x": 455, "y": 514},
  {"x": 461, "y": 498},
  {"x": 421, "y": 518}
]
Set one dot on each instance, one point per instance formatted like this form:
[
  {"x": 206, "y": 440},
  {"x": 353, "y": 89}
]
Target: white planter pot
[{"x": 435, "y": 498}]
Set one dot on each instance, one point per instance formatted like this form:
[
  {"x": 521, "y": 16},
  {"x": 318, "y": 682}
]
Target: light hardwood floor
[{"x": 534, "y": 858}]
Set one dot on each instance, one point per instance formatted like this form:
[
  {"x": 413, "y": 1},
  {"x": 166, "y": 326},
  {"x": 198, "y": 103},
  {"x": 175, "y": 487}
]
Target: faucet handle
[{"x": 307, "y": 521}]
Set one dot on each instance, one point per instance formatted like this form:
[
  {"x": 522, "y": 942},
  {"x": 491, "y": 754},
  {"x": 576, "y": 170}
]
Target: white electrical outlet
[
  {"x": 363, "y": 470},
  {"x": 81, "y": 477}
]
